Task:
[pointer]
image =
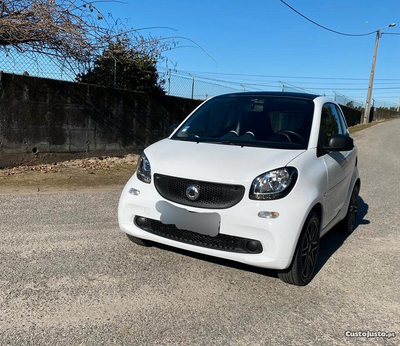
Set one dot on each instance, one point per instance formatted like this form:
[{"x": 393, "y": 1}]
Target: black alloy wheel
[
  {"x": 302, "y": 268},
  {"x": 349, "y": 222},
  {"x": 309, "y": 250}
]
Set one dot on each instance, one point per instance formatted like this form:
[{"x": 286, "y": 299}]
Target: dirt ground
[
  {"x": 81, "y": 174},
  {"x": 100, "y": 173}
]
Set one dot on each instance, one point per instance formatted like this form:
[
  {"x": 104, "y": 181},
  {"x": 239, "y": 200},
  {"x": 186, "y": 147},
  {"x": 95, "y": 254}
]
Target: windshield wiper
[
  {"x": 259, "y": 144},
  {"x": 190, "y": 139},
  {"x": 229, "y": 142},
  {"x": 218, "y": 141}
]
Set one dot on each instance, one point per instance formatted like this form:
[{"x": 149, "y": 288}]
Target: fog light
[
  {"x": 253, "y": 245},
  {"x": 134, "y": 192},
  {"x": 268, "y": 214},
  {"x": 140, "y": 221}
]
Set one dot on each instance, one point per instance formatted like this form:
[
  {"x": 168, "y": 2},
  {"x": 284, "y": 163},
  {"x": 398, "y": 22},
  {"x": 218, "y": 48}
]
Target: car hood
[{"x": 215, "y": 162}]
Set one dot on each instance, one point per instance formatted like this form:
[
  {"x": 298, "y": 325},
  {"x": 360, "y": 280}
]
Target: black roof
[{"x": 272, "y": 93}]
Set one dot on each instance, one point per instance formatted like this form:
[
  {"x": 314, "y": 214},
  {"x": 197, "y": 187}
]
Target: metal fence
[
  {"x": 176, "y": 83},
  {"x": 347, "y": 101},
  {"x": 385, "y": 105},
  {"x": 33, "y": 64},
  {"x": 198, "y": 88}
]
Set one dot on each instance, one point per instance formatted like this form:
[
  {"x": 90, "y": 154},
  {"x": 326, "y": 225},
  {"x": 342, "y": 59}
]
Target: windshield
[{"x": 246, "y": 120}]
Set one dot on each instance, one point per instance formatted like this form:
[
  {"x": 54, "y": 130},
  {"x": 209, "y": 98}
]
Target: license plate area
[{"x": 202, "y": 223}]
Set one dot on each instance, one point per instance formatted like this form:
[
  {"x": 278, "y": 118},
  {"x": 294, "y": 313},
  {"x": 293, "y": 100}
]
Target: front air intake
[{"x": 210, "y": 195}]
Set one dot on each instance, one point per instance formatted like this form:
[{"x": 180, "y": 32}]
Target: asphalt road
[{"x": 68, "y": 276}]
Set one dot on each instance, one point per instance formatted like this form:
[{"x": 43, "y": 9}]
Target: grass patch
[{"x": 360, "y": 127}]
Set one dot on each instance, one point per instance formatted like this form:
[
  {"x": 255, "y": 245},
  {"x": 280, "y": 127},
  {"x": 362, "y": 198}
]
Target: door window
[
  {"x": 342, "y": 120},
  {"x": 330, "y": 123}
]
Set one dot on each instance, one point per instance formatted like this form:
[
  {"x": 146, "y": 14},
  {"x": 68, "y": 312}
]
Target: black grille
[
  {"x": 221, "y": 242},
  {"x": 211, "y": 195}
]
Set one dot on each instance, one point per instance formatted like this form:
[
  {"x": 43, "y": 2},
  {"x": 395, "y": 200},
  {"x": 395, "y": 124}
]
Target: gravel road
[{"x": 68, "y": 276}]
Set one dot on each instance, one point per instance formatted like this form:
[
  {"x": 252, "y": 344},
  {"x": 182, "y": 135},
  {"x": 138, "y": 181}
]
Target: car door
[{"x": 339, "y": 164}]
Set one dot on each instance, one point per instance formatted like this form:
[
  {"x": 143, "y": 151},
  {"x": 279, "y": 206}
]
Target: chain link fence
[
  {"x": 175, "y": 83},
  {"x": 347, "y": 101},
  {"x": 385, "y": 105},
  {"x": 34, "y": 64},
  {"x": 195, "y": 88}
]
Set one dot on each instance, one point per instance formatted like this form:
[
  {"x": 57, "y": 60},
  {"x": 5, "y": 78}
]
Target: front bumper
[{"x": 278, "y": 237}]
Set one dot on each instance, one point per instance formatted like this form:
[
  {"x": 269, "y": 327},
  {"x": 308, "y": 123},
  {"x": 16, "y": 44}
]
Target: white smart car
[{"x": 256, "y": 178}]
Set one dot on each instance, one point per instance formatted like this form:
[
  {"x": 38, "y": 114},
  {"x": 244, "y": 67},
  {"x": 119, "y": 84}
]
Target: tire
[
  {"x": 302, "y": 268},
  {"x": 139, "y": 241},
  {"x": 347, "y": 225}
]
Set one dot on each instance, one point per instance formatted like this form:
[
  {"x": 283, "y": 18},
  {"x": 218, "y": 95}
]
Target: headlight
[
  {"x": 273, "y": 184},
  {"x": 144, "y": 169}
]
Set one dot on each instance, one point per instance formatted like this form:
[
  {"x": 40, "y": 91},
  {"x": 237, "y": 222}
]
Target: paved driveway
[{"x": 68, "y": 276}]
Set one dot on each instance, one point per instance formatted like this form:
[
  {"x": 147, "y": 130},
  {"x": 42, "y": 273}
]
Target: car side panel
[{"x": 340, "y": 166}]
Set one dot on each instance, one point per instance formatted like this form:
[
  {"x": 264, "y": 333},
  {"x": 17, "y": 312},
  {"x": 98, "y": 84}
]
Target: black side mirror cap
[
  {"x": 338, "y": 142},
  {"x": 171, "y": 129}
]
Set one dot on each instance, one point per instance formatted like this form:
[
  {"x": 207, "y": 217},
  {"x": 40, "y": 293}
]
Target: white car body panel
[
  {"x": 230, "y": 163},
  {"x": 325, "y": 181},
  {"x": 339, "y": 167}
]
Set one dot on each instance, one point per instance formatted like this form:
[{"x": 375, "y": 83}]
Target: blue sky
[{"x": 267, "y": 39}]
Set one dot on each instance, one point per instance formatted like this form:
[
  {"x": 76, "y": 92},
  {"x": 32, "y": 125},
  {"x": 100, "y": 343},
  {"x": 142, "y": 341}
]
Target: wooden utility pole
[
  {"x": 371, "y": 80},
  {"x": 371, "y": 77}
]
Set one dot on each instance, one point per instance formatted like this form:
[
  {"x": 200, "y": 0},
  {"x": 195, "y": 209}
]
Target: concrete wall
[
  {"x": 44, "y": 120},
  {"x": 381, "y": 113},
  {"x": 353, "y": 116},
  {"x": 42, "y": 116}
]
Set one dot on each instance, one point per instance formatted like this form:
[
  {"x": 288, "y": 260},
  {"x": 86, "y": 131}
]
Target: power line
[
  {"x": 276, "y": 83},
  {"x": 280, "y": 76},
  {"x": 397, "y": 88},
  {"x": 381, "y": 97},
  {"x": 341, "y": 83},
  {"x": 384, "y": 91},
  {"x": 324, "y": 27}
]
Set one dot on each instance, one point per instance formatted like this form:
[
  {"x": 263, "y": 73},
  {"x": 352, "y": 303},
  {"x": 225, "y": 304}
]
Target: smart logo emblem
[{"x": 192, "y": 192}]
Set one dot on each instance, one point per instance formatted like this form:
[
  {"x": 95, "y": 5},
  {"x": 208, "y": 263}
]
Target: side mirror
[
  {"x": 171, "y": 129},
  {"x": 338, "y": 142}
]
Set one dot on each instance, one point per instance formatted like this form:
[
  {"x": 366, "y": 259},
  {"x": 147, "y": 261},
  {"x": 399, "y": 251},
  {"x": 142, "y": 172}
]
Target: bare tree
[
  {"x": 74, "y": 31},
  {"x": 78, "y": 37},
  {"x": 65, "y": 28}
]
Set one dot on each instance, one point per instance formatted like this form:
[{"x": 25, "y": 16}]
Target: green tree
[{"x": 126, "y": 68}]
